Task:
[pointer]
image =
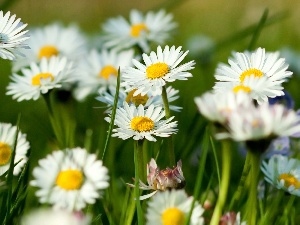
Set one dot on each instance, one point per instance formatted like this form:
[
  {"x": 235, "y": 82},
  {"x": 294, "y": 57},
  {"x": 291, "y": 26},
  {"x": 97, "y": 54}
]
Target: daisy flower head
[
  {"x": 52, "y": 40},
  {"x": 99, "y": 70},
  {"x": 160, "y": 68},
  {"x": 49, "y": 216},
  {"x": 283, "y": 173},
  {"x": 40, "y": 78},
  {"x": 172, "y": 208},
  {"x": 7, "y": 141},
  {"x": 259, "y": 73},
  {"x": 262, "y": 122},
  {"x": 140, "y": 30},
  {"x": 140, "y": 123},
  {"x": 70, "y": 179},
  {"x": 12, "y": 36},
  {"x": 108, "y": 96},
  {"x": 217, "y": 107}
]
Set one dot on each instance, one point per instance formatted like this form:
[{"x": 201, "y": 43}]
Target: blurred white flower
[
  {"x": 51, "y": 73},
  {"x": 141, "y": 30},
  {"x": 12, "y": 36},
  {"x": 7, "y": 141}
]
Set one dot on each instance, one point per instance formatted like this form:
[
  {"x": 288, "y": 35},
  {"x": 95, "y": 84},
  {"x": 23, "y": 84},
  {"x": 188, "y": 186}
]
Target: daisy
[
  {"x": 48, "y": 216},
  {"x": 108, "y": 96},
  {"x": 141, "y": 30},
  {"x": 217, "y": 107},
  {"x": 7, "y": 142},
  {"x": 53, "y": 40},
  {"x": 283, "y": 173},
  {"x": 40, "y": 78},
  {"x": 12, "y": 36},
  {"x": 70, "y": 179},
  {"x": 159, "y": 68},
  {"x": 140, "y": 123},
  {"x": 172, "y": 208},
  {"x": 99, "y": 70},
  {"x": 258, "y": 73},
  {"x": 262, "y": 122}
]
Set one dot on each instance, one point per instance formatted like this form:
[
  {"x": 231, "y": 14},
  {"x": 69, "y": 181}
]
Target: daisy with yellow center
[
  {"x": 172, "y": 208},
  {"x": 160, "y": 68},
  {"x": 141, "y": 30},
  {"x": 70, "y": 179},
  {"x": 283, "y": 173},
  {"x": 53, "y": 40},
  {"x": 7, "y": 139},
  {"x": 108, "y": 96},
  {"x": 99, "y": 70},
  {"x": 140, "y": 122},
  {"x": 12, "y": 36},
  {"x": 258, "y": 73},
  {"x": 40, "y": 78}
]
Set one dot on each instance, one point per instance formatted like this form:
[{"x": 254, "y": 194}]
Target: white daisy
[
  {"x": 7, "y": 141},
  {"x": 40, "y": 78},
  {"x": 108, "y": 96},
  {"x": 140, "y": 30},
  {"x": 70, "y": 179},
  {"x": 99, "y": 70},
  {"x": 12, "y": 36},
  {"x": 159, "y": 68},
  {"x": 245, "y": 71},
  {"x": 262, "y": 122},
  {"x": 172, "y": 208},
  {"x": 283, "y": 173},
  {"x": 217, "y": 107},
  {"x": 140, "y": 123},
  {"x": 48, "y": 216},
  {"x": 52, "y": 40}
]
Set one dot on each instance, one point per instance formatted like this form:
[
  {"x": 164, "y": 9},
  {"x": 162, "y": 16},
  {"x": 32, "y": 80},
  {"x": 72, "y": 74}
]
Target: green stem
[
  {"x": 170, "y": 145},
  {"x": 226, "y": 162},
  {"x": 251, "y": 204},
  {"x": 138, "y": 159},
  {"x": 241, "y": 187}
]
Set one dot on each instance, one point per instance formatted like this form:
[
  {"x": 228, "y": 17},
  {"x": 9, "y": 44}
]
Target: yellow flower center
[
  {"x": 5, "y": 153},
  {"x": 241, "y": 87},
  {"x": 172, "y": 216},
  {"x": 107, "y": 71},
  {"x": 48, "y": 51},
  {"x": 141, "y": 124},
  {"x": 69, "y": 179},
  {"x": 137, "y": 29},
  {"x": 138, "y": 99},
  {"x": 251, "y": 72},
  {"x": 289, "y": 180},
  {"x": 36, "y": 80},
  {"x": 157, "y": 70}
]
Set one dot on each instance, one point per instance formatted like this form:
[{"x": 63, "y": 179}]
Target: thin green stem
[
  {"x": 241, "y": 186},
  {"x": 170, "y": 145},
  {"x": 226, "y": 163},
  {"x": 251, "y": 204},
  {"x": 200, "y": 174},
  {"x": 138, "y": 158}
]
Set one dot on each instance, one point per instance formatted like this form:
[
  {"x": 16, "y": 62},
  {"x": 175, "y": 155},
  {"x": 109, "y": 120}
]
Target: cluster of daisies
[
  {"x": 62, "y": 57},
  {"x": 59, "y": 57},
  {"x": 248, "y": 105}
]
